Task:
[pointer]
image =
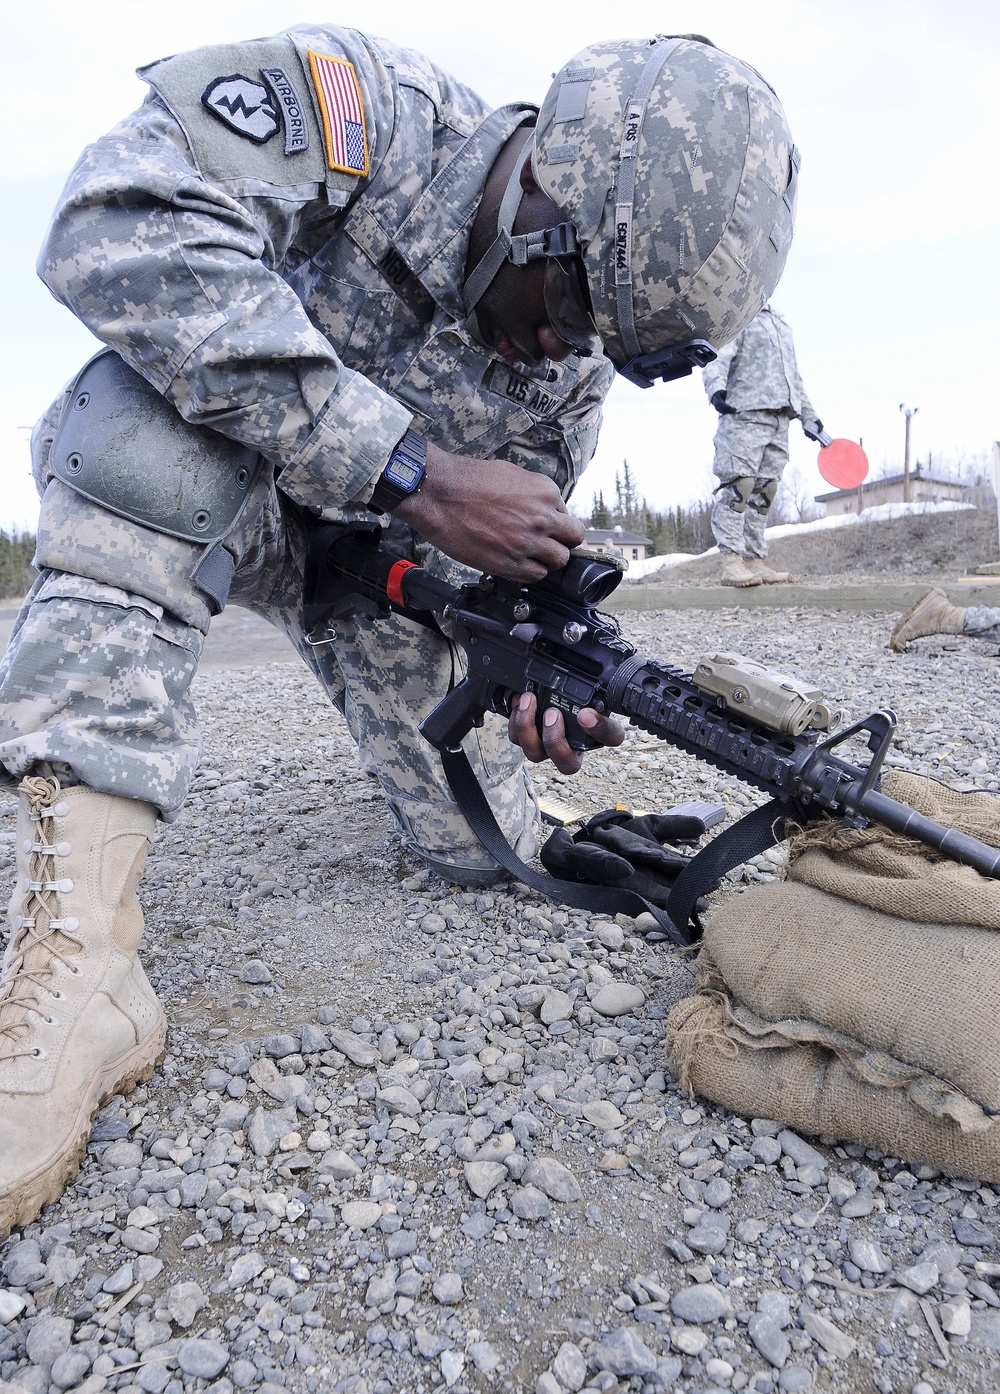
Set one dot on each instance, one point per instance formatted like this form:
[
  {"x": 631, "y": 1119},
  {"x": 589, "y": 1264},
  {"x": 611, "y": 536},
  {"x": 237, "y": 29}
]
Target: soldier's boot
[
  {"x": 757, "y": 566},
  {"x": 79, "y": 1021},
  {"x": 735, "y": 571},
  {"x": 931, "y": 613}
]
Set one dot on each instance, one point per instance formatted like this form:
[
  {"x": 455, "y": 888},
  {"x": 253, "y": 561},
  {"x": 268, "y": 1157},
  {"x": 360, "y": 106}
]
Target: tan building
[
  {"x": 627, "y": 544},
  {"x": 924, "y": 488}
]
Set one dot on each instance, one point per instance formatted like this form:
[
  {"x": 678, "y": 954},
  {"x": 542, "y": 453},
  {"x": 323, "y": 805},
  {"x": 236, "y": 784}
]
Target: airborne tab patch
[
  {"x": 296, "y": 130},
  {"x": 339, "y": 98},
  {"x": 242, "y": 104}
]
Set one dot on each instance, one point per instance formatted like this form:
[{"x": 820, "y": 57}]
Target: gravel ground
[{"x": 410, "y": 1138}]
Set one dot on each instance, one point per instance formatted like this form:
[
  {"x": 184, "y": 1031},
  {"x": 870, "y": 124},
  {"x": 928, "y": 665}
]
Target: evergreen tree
[
  {"x": 600, "y": 514},
  {"x": 16, "y": 571}
]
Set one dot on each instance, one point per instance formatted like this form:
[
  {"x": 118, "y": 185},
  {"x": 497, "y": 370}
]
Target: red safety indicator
[
  {"x": 394, "y": 582},
  {"x": 843, "y": 464}
]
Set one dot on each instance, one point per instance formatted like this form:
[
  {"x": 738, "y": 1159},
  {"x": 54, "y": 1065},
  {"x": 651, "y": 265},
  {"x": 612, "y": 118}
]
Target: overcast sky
[{"x": 891, "y": 283}]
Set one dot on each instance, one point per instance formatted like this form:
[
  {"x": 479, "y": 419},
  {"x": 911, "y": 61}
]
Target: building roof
[
  {"x": 616, "y": 535},
  {"x": 915, "y": 478}
]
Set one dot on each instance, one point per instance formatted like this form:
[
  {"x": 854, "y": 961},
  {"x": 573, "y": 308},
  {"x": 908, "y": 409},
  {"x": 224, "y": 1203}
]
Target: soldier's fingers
[
  {"x": 557, "y": 747},
  {"x": 523, "y": 731},
  {"x": 600, "y": 728}
]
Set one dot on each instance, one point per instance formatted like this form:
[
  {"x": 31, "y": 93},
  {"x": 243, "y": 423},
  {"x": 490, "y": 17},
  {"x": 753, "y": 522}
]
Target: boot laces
[{"x": 43, "y": 939}]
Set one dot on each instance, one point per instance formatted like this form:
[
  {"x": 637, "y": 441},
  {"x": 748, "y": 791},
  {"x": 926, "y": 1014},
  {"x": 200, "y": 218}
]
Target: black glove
[
  {"x": 614, "y": 848},
  {"x": 718, "y": 400},
  {"x": 814, "y": 431}
]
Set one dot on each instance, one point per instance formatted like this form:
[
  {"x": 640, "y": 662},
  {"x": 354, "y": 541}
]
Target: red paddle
[{"x": 842, "y": 463}]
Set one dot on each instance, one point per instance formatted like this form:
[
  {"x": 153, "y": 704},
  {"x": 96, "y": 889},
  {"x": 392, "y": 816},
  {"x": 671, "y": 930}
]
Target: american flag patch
[{"x": 343, "y": 116}]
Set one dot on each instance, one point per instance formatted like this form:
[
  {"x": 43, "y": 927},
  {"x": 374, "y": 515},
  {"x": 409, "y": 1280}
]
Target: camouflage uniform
[
  {"x": 759, "y": 375},
  {"x": 302, "y": 296}
]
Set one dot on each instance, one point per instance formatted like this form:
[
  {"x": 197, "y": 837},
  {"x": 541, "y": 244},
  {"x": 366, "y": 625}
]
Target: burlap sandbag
[
  {"x": 808, "y": 1088},
  {"x": 885, "y": 1023}
]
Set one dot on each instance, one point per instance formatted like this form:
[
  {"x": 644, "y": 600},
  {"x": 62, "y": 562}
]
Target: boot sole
[
  {"x": 20, "y": 1206},
  {"x": 743, "y": 585}
]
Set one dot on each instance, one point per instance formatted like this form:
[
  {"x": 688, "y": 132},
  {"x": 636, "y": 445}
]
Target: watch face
[{"x": 402, "y": 472}]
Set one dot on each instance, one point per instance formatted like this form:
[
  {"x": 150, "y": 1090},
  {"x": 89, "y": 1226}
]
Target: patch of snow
[{"x": 877, "y": 514}]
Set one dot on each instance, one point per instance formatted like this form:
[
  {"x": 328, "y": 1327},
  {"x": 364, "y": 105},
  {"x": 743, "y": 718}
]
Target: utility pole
[{"x": 910, "y": 413}]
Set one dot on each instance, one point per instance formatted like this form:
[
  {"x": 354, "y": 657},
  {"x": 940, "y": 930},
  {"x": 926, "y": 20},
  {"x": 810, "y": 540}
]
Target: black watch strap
[{"x": 403, "y": 474}]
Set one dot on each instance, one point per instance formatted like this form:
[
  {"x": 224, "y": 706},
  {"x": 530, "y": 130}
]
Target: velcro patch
[
  {"x": 339, "y": 97},
  {"x": 244, "y": 105},
  {"x": 563, "y": 154}
]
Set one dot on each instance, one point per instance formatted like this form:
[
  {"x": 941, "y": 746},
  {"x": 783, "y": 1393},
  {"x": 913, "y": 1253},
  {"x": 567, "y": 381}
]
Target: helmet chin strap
[{"x": 481, "y": 277}]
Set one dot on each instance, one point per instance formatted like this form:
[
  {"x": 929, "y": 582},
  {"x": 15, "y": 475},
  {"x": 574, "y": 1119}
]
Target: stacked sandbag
[{"x": 860, "y": 997}]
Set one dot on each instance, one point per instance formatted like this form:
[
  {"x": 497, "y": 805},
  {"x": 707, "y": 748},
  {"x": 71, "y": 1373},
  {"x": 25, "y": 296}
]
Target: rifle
[{"x": 768, "y": 729}]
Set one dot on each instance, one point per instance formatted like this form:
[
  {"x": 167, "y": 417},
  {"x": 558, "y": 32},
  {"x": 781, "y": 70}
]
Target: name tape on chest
[{"x": 339, "y": 98}]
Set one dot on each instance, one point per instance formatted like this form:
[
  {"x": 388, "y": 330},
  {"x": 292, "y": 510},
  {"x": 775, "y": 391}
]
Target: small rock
[
  {"x": 769, "y": 1339},
  {"x": 200, "y": 1357},
  {"x": 623, "y": 1353},
  {"x": 701, "y": 1303},
  {"x": 556, "y": 1006},
  {"x": 48, "y": 1338},
  {"x": 254, "y": 971},
  {"x": 569, "y": 1367},
  {"x": 361, "y": 1214},
  {"x": 920, "y": 1278},
  {"x": 245, "y": 1268},
  {"x": 618, "y": 999},
  {"x": 529, "y": 1203},
  {"x": 800, "y": 1152},
  {"x": 866, "y": 1255},
  {"x": 359, "y": 1052},
  {"x": 955, "y": 1318},
  {"x": 554, "y": 1179},
  {"x": 184, "y": 1301},
  {"x": 603, "y": 1114},
  {"x": 448, "y": 1289},
  {"x": 484, "y": 1177},
  {"x": 834, "y": 1341}
]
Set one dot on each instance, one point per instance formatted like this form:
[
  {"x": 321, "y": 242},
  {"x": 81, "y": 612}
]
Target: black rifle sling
[
  {"x": 746, "y": 838},
  {"x": 751, "y": 835}
]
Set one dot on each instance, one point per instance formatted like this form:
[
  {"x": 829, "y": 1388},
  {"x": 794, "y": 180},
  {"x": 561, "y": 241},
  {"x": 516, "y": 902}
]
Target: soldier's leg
[
  {"x": 772, "y": 431},
  {"x": 386, "y": 675},
  {"x": 97, "y": 725}
]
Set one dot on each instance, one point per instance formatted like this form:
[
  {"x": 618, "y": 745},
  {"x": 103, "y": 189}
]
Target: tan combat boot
[
  {"x": 79, "y": 1021},
  {"x": 757, "y": 566},
  {"x": 932, "y": 613},
  {"x": 735, "y": 571}
]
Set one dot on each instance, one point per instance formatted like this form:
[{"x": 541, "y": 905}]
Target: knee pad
[
  {"x": 124, "y": 447},
  {"x": 762, "y": 494},
  {"x": 738, "y": 491}
]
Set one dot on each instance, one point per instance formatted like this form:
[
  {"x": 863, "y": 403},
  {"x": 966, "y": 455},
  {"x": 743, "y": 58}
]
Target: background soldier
[
  {"x": 383, "y": 298},
  {"x": 754, "y": 385}
]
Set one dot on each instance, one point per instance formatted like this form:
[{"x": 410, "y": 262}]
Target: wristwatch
[{"x": 403, "y": 474}]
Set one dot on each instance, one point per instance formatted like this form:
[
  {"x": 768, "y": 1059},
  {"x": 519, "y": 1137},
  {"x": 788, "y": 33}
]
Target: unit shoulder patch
[
  {"x": 339, "y": 97},
  {"x": 243, "y": 104}
]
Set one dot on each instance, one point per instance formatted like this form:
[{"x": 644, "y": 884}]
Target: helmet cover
[{"x": 686, "y": 236}]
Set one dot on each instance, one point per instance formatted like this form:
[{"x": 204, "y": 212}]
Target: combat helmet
[{"x": 676, "y": 173}]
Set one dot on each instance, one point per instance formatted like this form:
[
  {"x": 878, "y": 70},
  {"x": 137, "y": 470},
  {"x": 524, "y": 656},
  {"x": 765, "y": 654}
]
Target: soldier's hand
[
  {"x": 718, "y": 401},
  {"x": 492, "y": 516},
  {"x": 552, "y": 744},
  {"x": 814, "y": 430}
]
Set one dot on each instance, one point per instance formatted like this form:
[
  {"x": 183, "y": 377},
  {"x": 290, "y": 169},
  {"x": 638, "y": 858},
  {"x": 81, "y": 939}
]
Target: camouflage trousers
[
  {"x": 751, "y": 452},
  {"x": 983, "y": 620},
  {"x": 98, "y": 672}
]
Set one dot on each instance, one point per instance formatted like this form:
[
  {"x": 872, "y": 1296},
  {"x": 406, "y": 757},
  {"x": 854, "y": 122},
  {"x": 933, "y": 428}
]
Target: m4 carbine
[{"x": 768, "y": 729}]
